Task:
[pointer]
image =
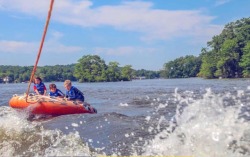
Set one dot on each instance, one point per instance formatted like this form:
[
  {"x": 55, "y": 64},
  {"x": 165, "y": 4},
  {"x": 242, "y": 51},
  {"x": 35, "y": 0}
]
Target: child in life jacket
[
  {"x": 39, "y": 86},
  {"x": 55, "y": 91}
]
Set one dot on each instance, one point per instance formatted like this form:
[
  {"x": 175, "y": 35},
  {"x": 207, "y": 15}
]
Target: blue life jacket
[
  {"x": 40, "y": 88},
  {"x": 75, "y": 94},
  {"x": 56, "y": 93}
]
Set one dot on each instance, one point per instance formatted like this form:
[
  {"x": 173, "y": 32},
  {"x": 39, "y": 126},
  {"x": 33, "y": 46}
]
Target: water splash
[
  {"x": 21, "y": 137},
  {"x": 206, "y": 127}
]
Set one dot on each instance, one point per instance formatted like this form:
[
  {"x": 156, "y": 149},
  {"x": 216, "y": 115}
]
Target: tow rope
[{"x": 40, "y": 48}]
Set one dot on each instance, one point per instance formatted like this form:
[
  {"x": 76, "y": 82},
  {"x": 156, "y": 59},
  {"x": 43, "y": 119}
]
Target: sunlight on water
[
  {"x": 123, "y": 104},
  {"x": 206, "y": 127}
]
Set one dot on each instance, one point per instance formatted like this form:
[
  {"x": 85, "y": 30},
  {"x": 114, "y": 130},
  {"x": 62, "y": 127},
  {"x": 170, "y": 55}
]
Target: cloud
[
  {"x": 221, "y": 2},
  {"x": 56, "y": 35},
  {"x": 123, "y": 50},
  {"x": 135, "y": 16},
  {"x": 51, "y": 45},
  {"x": 56, "y": 47},
  {"x": 17, "y": 46},
  {"x": 30, "y": 7}
]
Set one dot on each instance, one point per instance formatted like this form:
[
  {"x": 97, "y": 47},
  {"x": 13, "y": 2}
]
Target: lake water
[{"x": 178, "y": 117}]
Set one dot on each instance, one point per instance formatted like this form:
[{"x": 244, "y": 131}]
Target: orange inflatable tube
[{"x": 39, "y": 104}]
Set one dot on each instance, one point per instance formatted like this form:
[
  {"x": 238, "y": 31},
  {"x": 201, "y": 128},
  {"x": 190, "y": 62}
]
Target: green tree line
[
  {"x": 182, "y": 67},
  {"x": 89, "y": 68},
  {"x": 47, "y": 73},
  {"x": 227, "y": 55}
]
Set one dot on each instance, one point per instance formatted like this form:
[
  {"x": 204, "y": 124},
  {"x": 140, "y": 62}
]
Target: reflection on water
[{"x": 185, "y": 117}]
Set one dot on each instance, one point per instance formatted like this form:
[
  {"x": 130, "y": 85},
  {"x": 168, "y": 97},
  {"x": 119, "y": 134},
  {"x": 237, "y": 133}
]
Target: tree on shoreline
[
  {"x": 245, "y": 61},
  {"x": 227, "y": 56},
  {"x": 182, "y": 67},
  {"x": 90, "y": 68}
]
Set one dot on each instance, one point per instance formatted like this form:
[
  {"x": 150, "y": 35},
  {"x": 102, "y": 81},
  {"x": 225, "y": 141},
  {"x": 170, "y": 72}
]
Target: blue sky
[{"x": 144, "y": 33}]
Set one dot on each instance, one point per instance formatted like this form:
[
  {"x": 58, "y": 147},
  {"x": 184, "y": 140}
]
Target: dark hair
[
  {"x": 52, "y": 85},
  {"x": 39, "y": 78}
]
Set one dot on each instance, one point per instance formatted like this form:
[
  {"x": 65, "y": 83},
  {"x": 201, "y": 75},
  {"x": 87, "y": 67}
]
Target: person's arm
[
  {"x": 72, "y": 95},
  {"x": 35, "y": 89},
  {"x": 45, "y": 90},
  {"x": 37, "y": 92},
  {"x": 66, "y": 95},
  {"x": 61, "y": 95}
]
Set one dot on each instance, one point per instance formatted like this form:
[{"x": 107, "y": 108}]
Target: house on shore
[{"x": 6, "y": 79}]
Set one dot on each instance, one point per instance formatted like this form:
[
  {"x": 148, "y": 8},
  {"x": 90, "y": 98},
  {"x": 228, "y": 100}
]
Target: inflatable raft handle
[{"x": 31, "y": 94}]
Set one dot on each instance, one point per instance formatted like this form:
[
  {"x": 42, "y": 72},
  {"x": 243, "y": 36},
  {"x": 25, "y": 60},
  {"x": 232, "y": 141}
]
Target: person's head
[
  {"x": 37, "y": 80},
  {"x": 67, "y": 84},
  {"x": 52, "y": 87}
]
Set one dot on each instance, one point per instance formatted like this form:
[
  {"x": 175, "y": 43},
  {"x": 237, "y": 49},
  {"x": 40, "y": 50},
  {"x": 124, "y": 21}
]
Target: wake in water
[
  {"x": 215, "y": 125},
  {"x": 20, "y": 137}
]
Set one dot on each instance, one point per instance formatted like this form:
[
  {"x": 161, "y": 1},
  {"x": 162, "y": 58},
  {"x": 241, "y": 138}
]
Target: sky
[{"x": 142, "y": 33}]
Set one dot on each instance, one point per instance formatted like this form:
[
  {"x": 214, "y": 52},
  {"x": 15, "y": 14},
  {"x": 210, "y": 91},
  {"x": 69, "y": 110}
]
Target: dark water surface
[{"x": 185, "y": 117}]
